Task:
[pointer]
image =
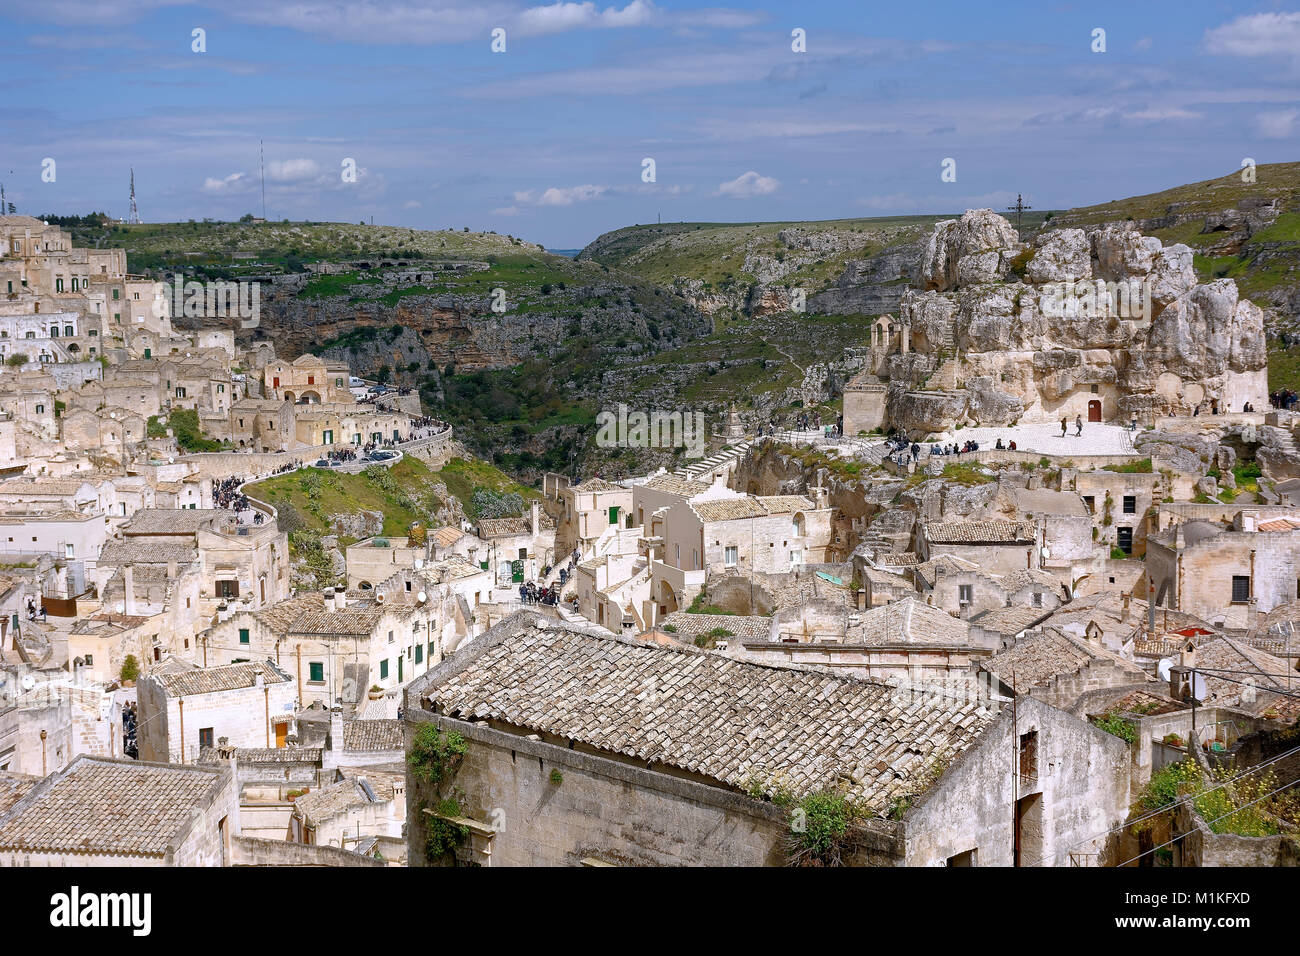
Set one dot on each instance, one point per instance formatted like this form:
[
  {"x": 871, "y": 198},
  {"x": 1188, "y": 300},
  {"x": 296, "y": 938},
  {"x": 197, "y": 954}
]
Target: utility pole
[{"x": 1019, "y": 209}]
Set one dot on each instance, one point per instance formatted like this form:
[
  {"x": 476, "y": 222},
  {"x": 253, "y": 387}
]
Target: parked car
[{"x": 323, "y": 463}]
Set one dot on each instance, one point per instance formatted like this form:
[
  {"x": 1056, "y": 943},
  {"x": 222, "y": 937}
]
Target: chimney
[
  {"x": 340, "y": 599},
  {"x": 1123, "y": 614},
  {"x": 334, "y": 744},
  {"x": 328, "y": 595},
  {"x": 1248, "y": 521},
  {"x": 535, "y": 517},
  {"x": 128, "y": 589}
]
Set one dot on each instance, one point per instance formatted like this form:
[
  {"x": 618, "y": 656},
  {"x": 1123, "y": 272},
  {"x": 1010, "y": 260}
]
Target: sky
[{"x": 548, "y": 138}]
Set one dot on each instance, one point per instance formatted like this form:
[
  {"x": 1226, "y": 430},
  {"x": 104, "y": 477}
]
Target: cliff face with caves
[{"x": 997, "y": 331}]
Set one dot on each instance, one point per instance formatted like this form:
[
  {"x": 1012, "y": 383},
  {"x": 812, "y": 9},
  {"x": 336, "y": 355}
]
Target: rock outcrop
[{"x": 1101, "y": 320}]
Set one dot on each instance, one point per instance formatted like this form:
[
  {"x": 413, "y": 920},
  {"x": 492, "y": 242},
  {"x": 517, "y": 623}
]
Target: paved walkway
[{"x": 1045, "y": 438}]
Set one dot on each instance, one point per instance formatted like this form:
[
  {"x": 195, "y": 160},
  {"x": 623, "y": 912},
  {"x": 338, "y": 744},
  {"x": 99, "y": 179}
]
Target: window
[
  {"x": 316, "y": 672},
  {"x": 205, "y": 737},
  {"x": 40, "y": 409},
  {"x": 1241, "y": 589},
  {"x": 1029, "y": 755},
  {"x": 963, "y": 859},
  {"x": 390, "y": 637},
  {"x": 227, "y": 589},
  {"x": 1124, "y": 539},
  {"x": 69, "y": 550},
  {"x": 1130, "y": 504},
  {"x": 383, "y": 669},
  {"x": 90, "y": 660},
  {"x": 729, "y": 556},
  {"x": 1038, "y": 599},
  {"x": 964, "y": 593},
  {"x": 419, "y": 653},
  {"x": 117, "y": 293},
  {"x": 243, "y": 635},
  {"x": 1091, "y": 502}
]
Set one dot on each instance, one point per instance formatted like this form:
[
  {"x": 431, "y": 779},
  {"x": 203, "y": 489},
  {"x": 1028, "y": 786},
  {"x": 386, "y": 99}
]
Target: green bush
[
  {"x": 1114, "y": 724},
  {"x": 130, "y": 669}
]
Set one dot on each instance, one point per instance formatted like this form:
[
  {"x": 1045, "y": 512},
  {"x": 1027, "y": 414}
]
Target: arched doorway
[
  {"x": 667, "y": 599},
  {"x": 1094, "y": 410}
]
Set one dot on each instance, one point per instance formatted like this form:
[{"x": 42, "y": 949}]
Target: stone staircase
[{"x": 702, "y": 469}]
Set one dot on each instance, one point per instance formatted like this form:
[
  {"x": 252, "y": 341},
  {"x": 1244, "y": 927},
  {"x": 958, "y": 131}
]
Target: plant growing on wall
[
  {"x": 434, "y": 755},
  {"x": 1116, "y": 725},
  {"x": 818, "y": 826}
]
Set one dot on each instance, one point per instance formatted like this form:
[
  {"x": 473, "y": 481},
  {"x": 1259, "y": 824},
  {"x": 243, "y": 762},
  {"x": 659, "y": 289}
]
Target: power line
[{"x": 1210, "y": 823}]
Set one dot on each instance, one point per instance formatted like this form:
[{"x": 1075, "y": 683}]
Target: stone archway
[{"x": 667, "y": 599}]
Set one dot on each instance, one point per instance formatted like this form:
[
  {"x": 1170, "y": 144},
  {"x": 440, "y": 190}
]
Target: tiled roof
[
  {"x": 927, "y": 571},
  {"x": 109, "y": 806},
  {"x": 1025, "y": 577},
  {"x": 1262, "y": 668},
  {"x": 785, "y": 504},
  {"x": 280, "y": 755},
  {"x": 215, "y": 680},
  {"x": 357, "y": 618},
  {"x": 897, "y": 559},
  {"x": 146, "y": 551},
  {"x": 728, "y": 509},
  {"x": 13, "y": 787},
  {"x": 734, "y": 721},
  {"x": 338, "y": 798},
  {"x": 596, "y": 485},
  {"x": 279, "y": 617},
  {"x": 446, "y": 537},
  {"x": 908, "y": 621},
  {"x": 674, "y": 485},
  {"x": 1279, "y": 524},
  {"x": 44, "y": 487},
  {"x": 979, "y": 532},
  {"x": 373, "y": 735},
  {"x": 178, "y": 521},
  {"x": 687, "y": 627},
  {"x": 500, "y": 527},
  {"x": 1038, "y": 657},
  {"x": 1010, "y": 620}
]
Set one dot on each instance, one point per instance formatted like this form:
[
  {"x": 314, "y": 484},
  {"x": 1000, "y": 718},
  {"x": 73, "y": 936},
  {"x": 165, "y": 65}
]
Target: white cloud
[
  {"x": 1280, "y": 125},
  {"x": 560, "y": 195},
  {"x": 1260, "y": 34},
  {"x": 412, "y": 204},
  {"x": 747, "y": 185},
  {"x": 292, "y": 170},
  {"x": 506, "y": 211},
  {"x": 558, "y": 17},
  {"x": 211, "y": 185}
]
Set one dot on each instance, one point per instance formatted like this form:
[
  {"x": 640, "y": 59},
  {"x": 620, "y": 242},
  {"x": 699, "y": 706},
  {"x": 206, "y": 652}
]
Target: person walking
[
  {"x": 1063, "y": 426},
  {"x": 1078, "y": 424}
]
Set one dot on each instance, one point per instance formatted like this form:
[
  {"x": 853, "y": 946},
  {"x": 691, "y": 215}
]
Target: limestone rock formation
[{"x": 1099, "y": 322}]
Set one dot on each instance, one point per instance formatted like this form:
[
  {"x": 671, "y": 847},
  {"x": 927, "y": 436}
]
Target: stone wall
[
  {"x": 252, "y": 851},
  {"x": 601, "y": 809}
]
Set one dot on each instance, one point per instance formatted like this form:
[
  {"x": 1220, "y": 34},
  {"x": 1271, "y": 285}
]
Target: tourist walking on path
[
  {"x": 1063, "y": 426},
  {"x": 1078, "y": 424}
]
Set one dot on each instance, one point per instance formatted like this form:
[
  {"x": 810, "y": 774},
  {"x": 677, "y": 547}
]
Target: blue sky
[{"x": 546, "y": 140}]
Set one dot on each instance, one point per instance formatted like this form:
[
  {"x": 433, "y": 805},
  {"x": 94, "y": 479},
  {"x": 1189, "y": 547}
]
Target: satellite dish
[
  {"x": 1162, "y": 668},
  {"x": 1200, "y": 689},
  {"x": 419, "y": 563},
  {"x": 422, "y": 597},
  {"x": 1046, "y": 552},
  {"x": 29, "y": 681}
]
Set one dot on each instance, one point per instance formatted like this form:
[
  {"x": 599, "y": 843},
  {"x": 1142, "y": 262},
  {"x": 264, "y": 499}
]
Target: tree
[
  {"x": 130, "y": 669},
  {"x": 14, "y": 361}
]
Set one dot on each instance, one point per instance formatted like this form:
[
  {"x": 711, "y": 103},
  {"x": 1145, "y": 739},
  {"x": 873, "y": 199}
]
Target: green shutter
[
  {"x": 317, "y": 672},
  {"x": 243, "y": 635},
  {"x": 383, "y": 669}
]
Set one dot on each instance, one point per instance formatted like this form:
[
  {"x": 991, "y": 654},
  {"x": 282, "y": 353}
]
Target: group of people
[
  {"x": 1078, "y": 425},
  {"x": 530, "y": 593},
  {"x": 804, "y": 422},
  {"x": 226, "y": 494},
  {"x": 952, "y": 448},
  {"x": 1284, "y": 399},
  {"x": 35, "y": 613}
]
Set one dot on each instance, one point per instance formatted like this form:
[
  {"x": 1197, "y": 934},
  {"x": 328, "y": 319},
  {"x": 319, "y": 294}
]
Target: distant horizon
[{"x": 563, "y": 121}]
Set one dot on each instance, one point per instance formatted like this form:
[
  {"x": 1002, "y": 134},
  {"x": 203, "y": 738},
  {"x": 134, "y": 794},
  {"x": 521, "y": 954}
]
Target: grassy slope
[{"x": 715, "y": 252}]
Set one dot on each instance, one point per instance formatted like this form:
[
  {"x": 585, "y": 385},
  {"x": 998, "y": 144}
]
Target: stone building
[
  {"x": 588, "y": 750},
  {"x": 102, "y": 812},
  {"x": 998, "y": 547},
  {"x": 308, "y": 380},
  {"x": 1228, "y": 574},
  {"x": 590, "y": 508},
  {"x": 250, "y": 705}
]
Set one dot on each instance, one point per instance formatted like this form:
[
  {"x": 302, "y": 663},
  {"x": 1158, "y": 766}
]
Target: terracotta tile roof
[
  {"x": 942, "y": 564},
  {"x": 109, "y": 806},
  {"x": 279, "y": 616},
  {"x": 13, "y": 787},
  {"x": 216, "y": 680},
  {"x": 446, "y": 537},
  {"x": 373, "y": 735},
  {"x": 1025, "y": 577},
  {"x": 674, "y": 485},
  {"x": 908, "y": 621},
  {"x": 1038, "y": 657},
  {"x": 596, "y": 485},
  {"x": 178, "y": 521},
  {"x": 690, "y": 626},
  {"x": 146, "y": 551},
  {"x": 980, "y": 532},
  {"x": 734, "y": 721},
  {"x": 728, "y": 509},
  {"x": 500, "y": 527},
  {"x": 785, "y": 504},
  {"x": 1011, "y": 620},
  {"x": 357, "y": 618},
  {"x": 1279, "y": 524},
  {"x": 338, "y": 798}
]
